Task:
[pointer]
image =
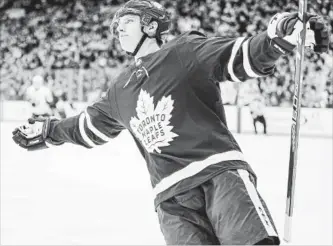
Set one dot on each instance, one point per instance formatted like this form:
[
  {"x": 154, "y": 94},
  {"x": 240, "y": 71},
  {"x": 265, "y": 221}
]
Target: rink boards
[{"x": 315, "y": 122}]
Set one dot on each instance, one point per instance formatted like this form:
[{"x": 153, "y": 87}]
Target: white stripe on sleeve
[
  {"x": 235, "y": 48},
  {"x": 252, "y": 191},
  {"x": 94, "y": 129},
  {"x": 83, "y": 132},
  {"x": 246, "y": 60}
]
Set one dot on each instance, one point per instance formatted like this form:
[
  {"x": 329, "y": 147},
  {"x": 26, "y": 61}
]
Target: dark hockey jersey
[{"x": 171, "y": 104}]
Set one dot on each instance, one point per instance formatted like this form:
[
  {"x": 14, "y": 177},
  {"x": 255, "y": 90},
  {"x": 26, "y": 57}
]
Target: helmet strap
[
  {"x": 138, "y": 46},
  {"x": 159, "y": 40}
]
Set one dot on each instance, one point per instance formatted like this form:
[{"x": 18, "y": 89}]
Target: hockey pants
[{"x": 226, "y": 209}]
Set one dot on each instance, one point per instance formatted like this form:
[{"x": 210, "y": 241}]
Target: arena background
[{"x": 54, "y": 197}]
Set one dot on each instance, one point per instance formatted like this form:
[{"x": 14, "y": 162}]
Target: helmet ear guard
[{"x": 150, "y": 29}]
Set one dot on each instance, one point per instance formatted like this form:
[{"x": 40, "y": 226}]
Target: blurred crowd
[{"x": 69, "y": 43}]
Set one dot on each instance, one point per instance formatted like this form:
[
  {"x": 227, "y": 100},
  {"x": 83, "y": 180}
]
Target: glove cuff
[
  {"x": 282, "y": 46},
  {"x": 46, "y": 131},
  {"x": 50, "y": 142}
]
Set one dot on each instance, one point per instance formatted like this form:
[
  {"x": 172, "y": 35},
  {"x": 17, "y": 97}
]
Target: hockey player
[
  {"x": 256, "y": 107},
  {"x": 63, "y": 107},
  {"x": 40, "y": 97},
  {"x": 169, "y": 100}
]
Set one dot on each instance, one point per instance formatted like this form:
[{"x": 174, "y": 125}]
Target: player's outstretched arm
[
  {"x": 92, "y": 127},
  {"x": 245, "y": 58}
]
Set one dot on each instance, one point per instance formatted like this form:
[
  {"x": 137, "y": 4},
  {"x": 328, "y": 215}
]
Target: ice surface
[{"x": 70, "y": 195}]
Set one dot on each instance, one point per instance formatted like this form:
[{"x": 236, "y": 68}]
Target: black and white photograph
[{"x": 166, "y": 122}]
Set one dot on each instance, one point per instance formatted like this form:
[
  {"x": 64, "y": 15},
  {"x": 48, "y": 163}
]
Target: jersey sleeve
[
  {"x": 234, "y": 59},
  {"x": 94, "y": 126}
]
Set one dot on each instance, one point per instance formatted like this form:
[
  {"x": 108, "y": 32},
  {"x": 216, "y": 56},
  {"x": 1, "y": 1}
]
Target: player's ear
[{"x": 151, "y": 28}]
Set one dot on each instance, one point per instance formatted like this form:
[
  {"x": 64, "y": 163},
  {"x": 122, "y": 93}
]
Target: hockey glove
[
  {"x": 34, "y": 135},
  {"x": 320, "y": 29},
  {"x": 284, "y": 28}
]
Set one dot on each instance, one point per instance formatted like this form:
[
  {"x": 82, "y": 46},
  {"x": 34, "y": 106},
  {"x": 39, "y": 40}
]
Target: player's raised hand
[
  {"x": 33, "y": 135},
  {"x": 283, "y": 30}
]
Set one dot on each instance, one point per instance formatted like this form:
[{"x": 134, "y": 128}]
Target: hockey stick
[{"x": 295, "y": 125}]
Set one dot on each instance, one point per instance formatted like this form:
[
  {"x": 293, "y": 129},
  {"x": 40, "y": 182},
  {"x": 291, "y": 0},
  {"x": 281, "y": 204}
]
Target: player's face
[{"x": 129, "y": 30}]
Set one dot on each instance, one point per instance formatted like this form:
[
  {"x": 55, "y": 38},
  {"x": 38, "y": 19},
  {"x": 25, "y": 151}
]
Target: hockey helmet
[{"x": 148, "y": 11}]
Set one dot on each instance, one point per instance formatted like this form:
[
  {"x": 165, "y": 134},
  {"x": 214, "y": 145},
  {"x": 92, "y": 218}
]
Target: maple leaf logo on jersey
[{"x": 151, "y": 126}]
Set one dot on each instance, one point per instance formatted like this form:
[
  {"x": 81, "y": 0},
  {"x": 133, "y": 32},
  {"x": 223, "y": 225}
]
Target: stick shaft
[{"x": 295, "y": 126}]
